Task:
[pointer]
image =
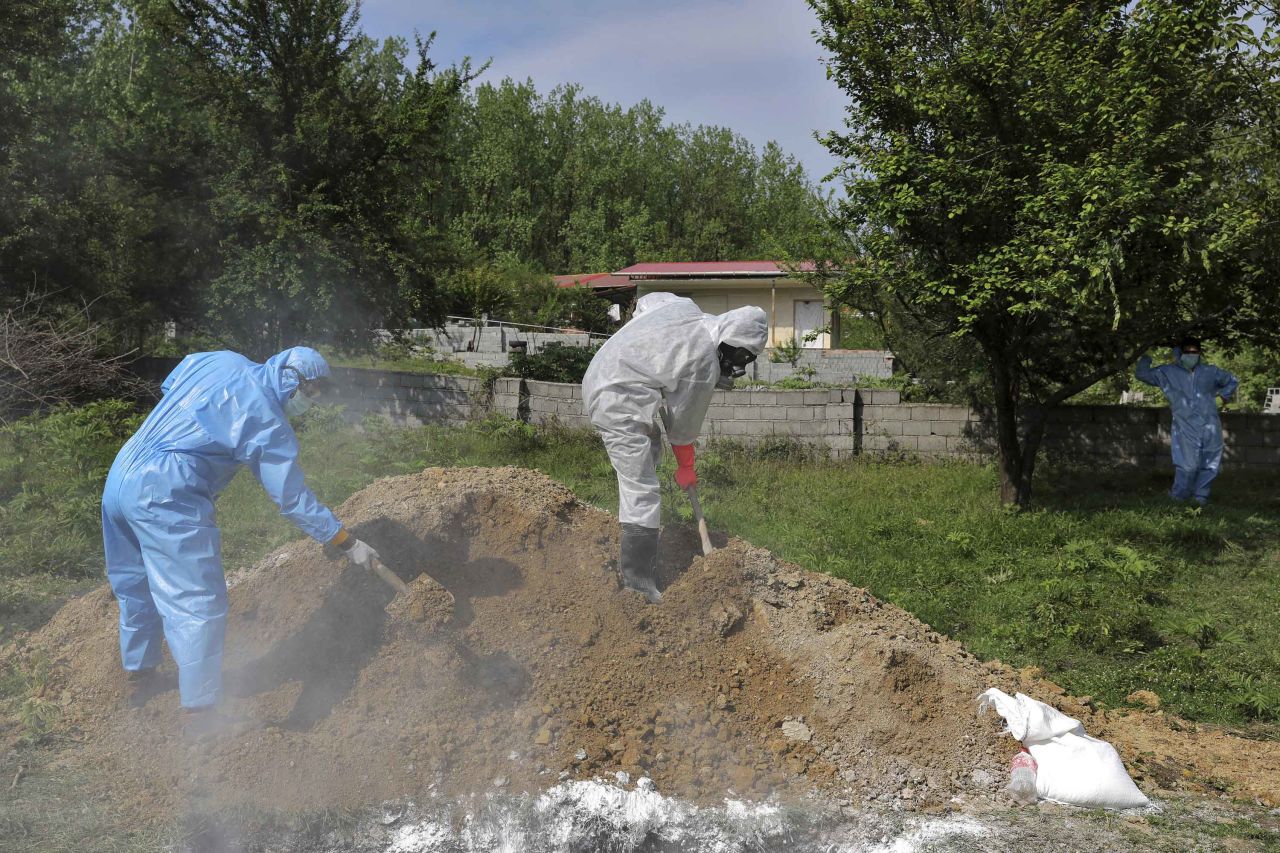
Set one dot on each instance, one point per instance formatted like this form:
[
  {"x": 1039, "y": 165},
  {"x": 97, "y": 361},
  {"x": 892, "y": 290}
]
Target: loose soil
[{"x": 753, "y": 676}]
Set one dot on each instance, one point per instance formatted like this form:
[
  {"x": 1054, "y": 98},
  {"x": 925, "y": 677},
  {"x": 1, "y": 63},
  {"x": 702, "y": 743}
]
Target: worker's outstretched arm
[
  {"x": 1226, "y": 384},
  {"x": 1146, "y": 373},
  {"x": 271, "y": 452}
]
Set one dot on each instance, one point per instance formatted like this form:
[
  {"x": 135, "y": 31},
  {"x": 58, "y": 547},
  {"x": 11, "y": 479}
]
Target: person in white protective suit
[
  {"x": 665, "y": 362},
  {"x": 650, "y": 301}
]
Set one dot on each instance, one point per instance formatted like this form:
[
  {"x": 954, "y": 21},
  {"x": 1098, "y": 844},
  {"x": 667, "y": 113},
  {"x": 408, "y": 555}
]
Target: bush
[
  {"x": 556, "y": 362},
  {"x": 52, "y": 470},
  {"x": 786, "y": 353}
]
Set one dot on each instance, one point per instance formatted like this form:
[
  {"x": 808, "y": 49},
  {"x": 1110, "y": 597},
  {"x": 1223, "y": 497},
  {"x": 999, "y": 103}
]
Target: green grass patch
[{"x": 1106, "y": 585}]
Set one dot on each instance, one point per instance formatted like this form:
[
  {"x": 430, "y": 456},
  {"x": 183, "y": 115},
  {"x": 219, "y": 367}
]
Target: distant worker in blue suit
[
  {"x": 1192, "y": 386},
  {"x": 220, "y": 411}
]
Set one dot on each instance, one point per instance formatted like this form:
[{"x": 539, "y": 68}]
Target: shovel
[
  {"x": 698, "y": 517},
  {"x": 408, "y": 600},
  {"x": 390, "y": 578}
]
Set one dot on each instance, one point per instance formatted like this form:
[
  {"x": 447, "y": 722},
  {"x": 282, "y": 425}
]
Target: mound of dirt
[{"x": 753, "y": 676}]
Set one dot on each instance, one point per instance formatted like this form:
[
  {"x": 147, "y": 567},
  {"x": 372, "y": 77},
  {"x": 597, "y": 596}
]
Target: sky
[{"x": 749, "y": 65}]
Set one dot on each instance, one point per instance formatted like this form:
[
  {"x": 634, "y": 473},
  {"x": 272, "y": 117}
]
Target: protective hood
[
  {"x": 650, "y": 301},
  {"x": 742, "y": 327},
  {"x": 281, "y": 382}
]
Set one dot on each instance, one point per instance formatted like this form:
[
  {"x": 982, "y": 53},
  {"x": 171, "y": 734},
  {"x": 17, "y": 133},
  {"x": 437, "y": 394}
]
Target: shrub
[
  {"x": 52, "y": 470},
  {"x": 556, "y": 362},
  {"x": 787, "y": 353}
]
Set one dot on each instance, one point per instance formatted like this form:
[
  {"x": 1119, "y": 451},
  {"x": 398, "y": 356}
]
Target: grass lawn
[{"x": 1105, "y": 585}]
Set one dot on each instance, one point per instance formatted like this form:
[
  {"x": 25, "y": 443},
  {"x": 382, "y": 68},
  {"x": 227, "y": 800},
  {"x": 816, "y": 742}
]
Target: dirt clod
[{"x": 1144, "y": 698}]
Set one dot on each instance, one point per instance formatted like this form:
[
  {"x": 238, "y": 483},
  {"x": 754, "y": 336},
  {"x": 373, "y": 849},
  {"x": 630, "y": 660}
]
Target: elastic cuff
[{"x": 341, "y": 538}]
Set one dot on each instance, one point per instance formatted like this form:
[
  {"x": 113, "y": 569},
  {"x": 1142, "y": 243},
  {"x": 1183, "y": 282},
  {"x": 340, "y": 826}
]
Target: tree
[
  {"x": 1057, "y": 185},
  {"x": 329, "y": 156},
  {"x": 567, "y": 183}
]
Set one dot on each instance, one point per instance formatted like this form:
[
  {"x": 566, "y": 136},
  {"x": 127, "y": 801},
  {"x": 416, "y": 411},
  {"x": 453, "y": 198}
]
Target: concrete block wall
[
  {"x": 832, "y": 367},
  {"x": 493, "y": 340},
  {"x": 411, "y": 399},
  {"x": 840, "y": 422},
  {"x": 821, "y": 418},
  {"x": 552, "y": 401}
]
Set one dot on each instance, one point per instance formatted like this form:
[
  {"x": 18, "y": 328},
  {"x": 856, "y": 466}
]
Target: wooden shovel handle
[
  {"x": 391, "y": 578},
  {"x": 702, "y": 522}
]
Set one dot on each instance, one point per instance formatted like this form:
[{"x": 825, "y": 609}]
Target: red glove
[{"x": 685, "y": 475}]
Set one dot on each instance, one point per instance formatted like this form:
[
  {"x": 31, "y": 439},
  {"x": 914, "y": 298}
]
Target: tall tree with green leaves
[
  {"x": 1055, "y": 185},
  {"x": 571, "y": 184},
  {"x": 329, "y": 156}
]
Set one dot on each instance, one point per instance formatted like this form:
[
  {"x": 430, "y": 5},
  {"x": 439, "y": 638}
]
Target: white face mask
[{"x": 299, "y": 404}]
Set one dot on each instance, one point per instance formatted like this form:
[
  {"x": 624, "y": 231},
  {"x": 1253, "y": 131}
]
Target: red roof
[
  {"x": 711, "y": 269},
  {"x": 596, "y": 280}
]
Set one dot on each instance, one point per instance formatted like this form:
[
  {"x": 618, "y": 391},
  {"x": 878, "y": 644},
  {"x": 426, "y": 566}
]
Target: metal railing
[{"x": 486, "y": 322}]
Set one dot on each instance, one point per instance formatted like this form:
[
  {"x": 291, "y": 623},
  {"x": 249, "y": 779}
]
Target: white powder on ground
[{"x": 599, "y": 815}]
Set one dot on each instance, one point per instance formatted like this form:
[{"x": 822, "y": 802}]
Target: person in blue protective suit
[
  {"x": 219, "y": 411},
  {"x": 1192, "y": 387}
]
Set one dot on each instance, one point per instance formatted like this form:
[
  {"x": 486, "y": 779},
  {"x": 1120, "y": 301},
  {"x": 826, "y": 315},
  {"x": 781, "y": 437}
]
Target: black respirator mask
[{"x": 733, "y": 363}]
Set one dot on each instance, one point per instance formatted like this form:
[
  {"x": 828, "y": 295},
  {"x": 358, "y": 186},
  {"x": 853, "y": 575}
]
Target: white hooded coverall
[{"x": 663, "y": 363}]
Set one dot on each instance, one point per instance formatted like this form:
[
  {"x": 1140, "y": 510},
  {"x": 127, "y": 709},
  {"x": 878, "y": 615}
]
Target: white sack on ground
[{"x": 1074, "y": 768}]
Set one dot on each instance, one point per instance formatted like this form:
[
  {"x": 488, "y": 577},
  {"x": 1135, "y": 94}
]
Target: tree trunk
[
  {"x": 1010, "y": 449},
  {"x": 1018, "y": 444}
]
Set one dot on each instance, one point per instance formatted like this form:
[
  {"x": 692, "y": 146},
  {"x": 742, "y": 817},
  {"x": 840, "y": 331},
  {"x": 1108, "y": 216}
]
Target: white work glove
[{"x": 361, "y": 554}]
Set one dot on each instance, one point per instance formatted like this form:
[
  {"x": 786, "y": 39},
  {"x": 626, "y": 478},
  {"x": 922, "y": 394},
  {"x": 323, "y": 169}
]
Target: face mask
[
  {"x": 734, "y": 361},
  {"x": 1189, "y": 359},
  {"x": 298, "y": 404}
]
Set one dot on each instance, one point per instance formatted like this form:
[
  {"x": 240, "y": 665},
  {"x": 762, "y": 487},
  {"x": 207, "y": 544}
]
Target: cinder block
[
  {"x": 951, "y": 413},
  {"x": 807, "y": 429},
  {"x": 895, "y": 413},
  {"x": 733, "y": 427},
  {"x": 948, "y": 427},
  {"x": 746, "y": 413},
  {"x": 917, "y": 427},
  {"x": 932, "y": 444},
  {"x": 799, "y": 413},
  {"x": 882, "y": 396},
  {"x": 715, "y": 412},
  {"x": 764, "y": 398},
  {"x": 883, "y": 427},
  {"x": 814, "y": 398}
]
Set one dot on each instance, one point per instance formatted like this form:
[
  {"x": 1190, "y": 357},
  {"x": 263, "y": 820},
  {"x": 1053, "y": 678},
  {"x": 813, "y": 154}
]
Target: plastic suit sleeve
[
  {"x": 1148, "y": 374},
  {"x": 175, "y": 375},
  {"x": 272, "y": 456},
  {"x": 1226, "y": 384},
  {"x": 686, "y": 409}
]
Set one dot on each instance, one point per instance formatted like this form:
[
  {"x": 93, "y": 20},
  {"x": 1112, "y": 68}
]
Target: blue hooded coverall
[
  {"x": 1197, "y": 429},
  {"x": 163, "y": 548}
]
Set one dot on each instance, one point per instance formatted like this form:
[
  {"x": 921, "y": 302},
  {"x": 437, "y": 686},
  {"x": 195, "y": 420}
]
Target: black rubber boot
[{"x": 638, "y": 561}]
